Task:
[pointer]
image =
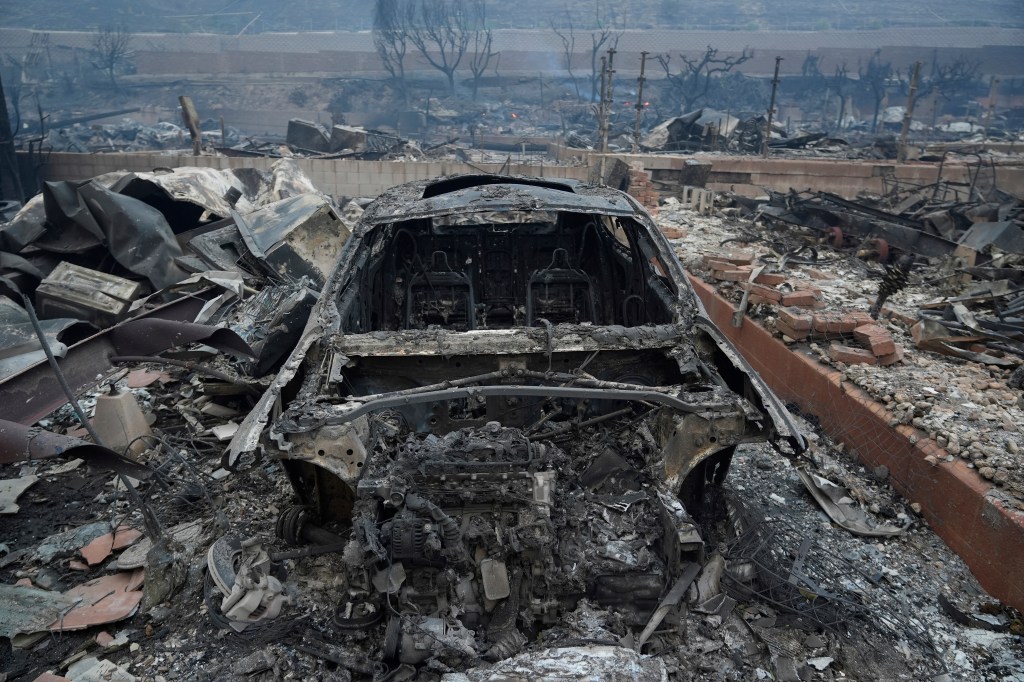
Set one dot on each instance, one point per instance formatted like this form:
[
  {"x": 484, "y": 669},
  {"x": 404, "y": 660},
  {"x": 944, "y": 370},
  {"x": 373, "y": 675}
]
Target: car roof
[{"x": 478, "y": 193}]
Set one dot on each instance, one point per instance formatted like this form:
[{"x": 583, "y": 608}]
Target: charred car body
[{"x": 511, "y": 393}]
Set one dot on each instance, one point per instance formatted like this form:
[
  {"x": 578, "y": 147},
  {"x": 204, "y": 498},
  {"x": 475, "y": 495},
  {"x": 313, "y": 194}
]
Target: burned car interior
[
  {"x": 510, "y": 405},
  {"x": 478, "y": 271}
]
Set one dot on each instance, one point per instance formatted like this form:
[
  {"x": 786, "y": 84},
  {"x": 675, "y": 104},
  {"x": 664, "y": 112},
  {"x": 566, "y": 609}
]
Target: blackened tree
[
  {"x": 568, "y": 37},
  {"x": 111, "y": 48},
  {"x": 691, "y": 84},
  {"x": 875, "y": 77},
  {"x": 441, "y": 32},
  {"x": 392, "y": 22},
  {"x": 480, "y": 44}
]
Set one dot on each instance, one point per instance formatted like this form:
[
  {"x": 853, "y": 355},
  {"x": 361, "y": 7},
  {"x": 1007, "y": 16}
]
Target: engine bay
[{"x": 484, "y": 539}]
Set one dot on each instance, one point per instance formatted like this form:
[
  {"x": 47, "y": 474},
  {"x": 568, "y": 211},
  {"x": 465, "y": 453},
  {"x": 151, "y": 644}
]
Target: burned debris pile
[
  {"x": 900, "y": 292},
  {"x": 92, "y": 255},
  {"x": 131, "y": 136},
  {"x": 970, "y": 242}
]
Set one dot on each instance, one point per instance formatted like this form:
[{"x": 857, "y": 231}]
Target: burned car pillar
[{"x": 511, "y": 396}]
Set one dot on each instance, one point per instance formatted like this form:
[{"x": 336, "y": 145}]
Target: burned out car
[{"x": 512, "y": 400}]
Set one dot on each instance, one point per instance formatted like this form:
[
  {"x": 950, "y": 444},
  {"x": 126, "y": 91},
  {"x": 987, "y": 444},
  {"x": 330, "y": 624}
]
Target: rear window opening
[{"x": 498, "y": 270}]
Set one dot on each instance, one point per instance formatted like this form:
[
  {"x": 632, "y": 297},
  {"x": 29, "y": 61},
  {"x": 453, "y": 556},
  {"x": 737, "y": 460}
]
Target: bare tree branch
[
  {"x": 442, "y": 32},
  {"x": 480, "y": 55},
  {"x": 568, "y": 49},
  {"x": 111, "y": 47},
  {"x": 392, "y": 21},
  {"x": 875, "y": 76},
  {"x": 691, "y": 85},
  {"x": 598, "y": 40}
]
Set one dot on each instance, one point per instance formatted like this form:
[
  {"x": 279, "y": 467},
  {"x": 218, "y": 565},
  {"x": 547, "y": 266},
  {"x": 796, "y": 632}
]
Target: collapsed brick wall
[{"x": 642, "y": 188}]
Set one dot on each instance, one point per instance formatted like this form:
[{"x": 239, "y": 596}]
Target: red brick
[
  {"x": 766, "y": 293},
  {"x": 800, "y": 298},
  {"x": 833, "y": 323},
  {"x": 795, "y": 318},
  {"x": 877, "y": 339},
  {"x": 735, "y": 256},
  {"x": 795, "y": 334},
  {"x": 851, "y": 356},
  {"x": 893, "y": 358},
  {"x": 674, "y": 232},
  {"x": 866, "y": 331},
  {"x": 771, "y": 279},
  {"x": 717, "y": 263},
  {"x": 803, "y": 285},
  {"x": 731, "y": 275},
  {"x": 860, "y": 317}
]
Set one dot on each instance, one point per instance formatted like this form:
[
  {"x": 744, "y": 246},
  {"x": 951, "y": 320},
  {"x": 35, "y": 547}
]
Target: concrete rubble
[{"x": 324, "y": 472}]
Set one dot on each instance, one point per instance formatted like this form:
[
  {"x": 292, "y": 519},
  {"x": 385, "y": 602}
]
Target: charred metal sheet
[
  {"x": 19, "y": 344},
  {"x": 297, "y": 237},
  {"x": 66, "y": 211},
  {"x": 17, "y": 275},
  {"x": 152, "y": 335},
  {"x": 137, "y": 235},
  {"x": 224, "y": 249},
  {"x": 271, "y": 322},
  {"x": 307, "y": 135},
  {"x": 33, "y": 392},
  {"x": 28, "y": 225},
  {"x": 189, "y": 192},
  {"x": 20, "y": 443},
  {"x": 1006, "y": 236}
]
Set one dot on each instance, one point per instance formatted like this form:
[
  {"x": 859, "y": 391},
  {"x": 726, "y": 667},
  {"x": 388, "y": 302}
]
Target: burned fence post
[
  {"x": 908, "y": 114},
  {"x": 604, "y": 109},
  {"x": 993, "y": 92},
  {"x": 191, "y": 119},
  {"x": 771, "y": 110},
  {"x": 639, "y": 101}
]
